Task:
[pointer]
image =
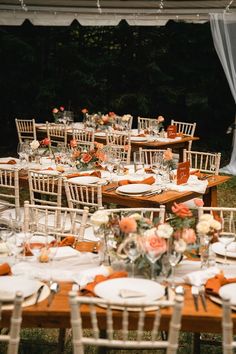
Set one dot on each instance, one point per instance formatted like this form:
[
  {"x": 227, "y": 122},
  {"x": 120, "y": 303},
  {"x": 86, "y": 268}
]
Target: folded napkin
[
  {"x": 89, "y": 288},
  {"x": 148, "y": 180},
  {"x": 87, "y": 246},
  {"x": 77, "y": 174},
  {"x": 9, "y": 162},
  {"x": 200, "y": 277},
  {"x": 214, "y": 284},
  {"x": 86, "y": 276},
  {"x": 67, "y": 241},
  {"x": 5, "y": 269},
  {"x": 193, "y": 185}
]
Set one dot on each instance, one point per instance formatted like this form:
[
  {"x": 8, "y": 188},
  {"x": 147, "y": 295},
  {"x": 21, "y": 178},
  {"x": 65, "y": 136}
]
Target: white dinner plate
[
  {"x": 100, "y": 134},
  {"x": 112, "y": 289},
  {"x": 136, "y": 188},
  {"x": 84, "y": 179},
  {"x": 138, "y": 138},
  {"x": 49, "y": 172},
  {"x": 9, "y": 285},
  {"x": 219, "y": 248},
  {"x": 229, "y": 291}
]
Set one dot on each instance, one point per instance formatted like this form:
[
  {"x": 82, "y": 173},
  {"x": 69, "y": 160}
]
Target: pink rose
[
  {"x": 155, "y": 243},
  {"x": 168, "y": 155},
  {"x": 198, "y": 202},
  {"x": 181, "y": 210},
  {"x": 189, "y": 236},
  {"x": 62, "y": 109},
  {"x": 46, "y": 141},
  {"x": 84, "y": 110},
  {"x": 55, "y": 110},
  {"x": 105, "y": 119}
]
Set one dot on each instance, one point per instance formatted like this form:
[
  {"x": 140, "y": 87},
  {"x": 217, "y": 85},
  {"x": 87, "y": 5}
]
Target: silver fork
[
  {"x": 195, "y": 294},
  {"x": 203, "y": 297}
]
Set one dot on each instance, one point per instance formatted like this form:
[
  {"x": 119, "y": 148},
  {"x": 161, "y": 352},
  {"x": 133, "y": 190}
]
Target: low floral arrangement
[
  {"x": 85, "y": 160},
  {"x": 168, "y": 159},
  {"x": 153, "y": 237},
  {"x": 160, "y": 121},
  {"x": 58, "y": 113},
  {"x": 41, "y": 148}
]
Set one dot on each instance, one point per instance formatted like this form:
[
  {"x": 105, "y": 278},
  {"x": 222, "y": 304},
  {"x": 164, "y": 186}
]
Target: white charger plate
[
  {"x": 138, "y": 138},
  {"x": 136, "y": 188},
  {"x": 9, "y": 285},
  {"x": 49, "y": 172},
  {"x": 100, "y": 134},
  {"x": 85, "y": 179},
  {"x": 110, "y": 289},
  {"x": 219, "y": 248},
  {"x": 229, "y": 291}
]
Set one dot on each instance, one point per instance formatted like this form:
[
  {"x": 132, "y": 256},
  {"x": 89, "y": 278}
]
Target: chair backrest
[
  {"x": 145, "y": 123},
  {"x": 57, "y": 133},
  {"x": 45, "y": 188},
  {"x": 82, "y": 135},
  {"x": 204, "y": 161},
  {"x": 148, "y": 154},
  {"x": 185, "y": 128},
  {"x": 123, "y": 319},
  {"x": 227, "y": 216},
  {"x": 26, "y": 129},
  {"x": 83, "y": 195},
  {"x": 57, "y": 221},
  {"x": 124, "y": 122},
  {"x": 228, "y": 342},
  {"x": 9, "y": 190},
  {"x": 149, "y": 213},
  {"x": 118, "y": 138},
  {"x": 13, "y": 336}
]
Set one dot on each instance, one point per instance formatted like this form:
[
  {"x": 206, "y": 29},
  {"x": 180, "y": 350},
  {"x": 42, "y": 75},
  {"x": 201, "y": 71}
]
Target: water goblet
[
  {"x": 226, "y": 238},
  {"x": 153, "y": 247},
  {"x": 138, "y": 162},
  {"x": 132, "y": 249},
  {"x": 38, "y": 243},
  {"x": 174, "y": 258}
]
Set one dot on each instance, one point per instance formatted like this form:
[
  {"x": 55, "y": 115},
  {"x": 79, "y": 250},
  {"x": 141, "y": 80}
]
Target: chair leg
[
  {"x": 196, "y": 343},
  {"x": 61, "y": 340}
]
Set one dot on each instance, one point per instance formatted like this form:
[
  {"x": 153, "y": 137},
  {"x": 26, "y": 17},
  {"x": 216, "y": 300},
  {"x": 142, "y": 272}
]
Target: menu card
[
  {"x": 171, "y": 131},
  {"x": 183, "y": 172}
]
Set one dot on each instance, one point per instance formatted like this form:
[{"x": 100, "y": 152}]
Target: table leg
[{"x": 210, "y": 198}]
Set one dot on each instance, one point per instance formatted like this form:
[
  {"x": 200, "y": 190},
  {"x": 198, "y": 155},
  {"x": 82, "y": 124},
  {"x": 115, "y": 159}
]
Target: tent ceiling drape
[{"x": 109, "y": 12}]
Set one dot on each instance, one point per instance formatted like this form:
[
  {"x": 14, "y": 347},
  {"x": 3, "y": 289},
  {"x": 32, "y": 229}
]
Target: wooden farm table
[
  {"x": 166, "y": 198},
  {"x": 58, "y": 315}
]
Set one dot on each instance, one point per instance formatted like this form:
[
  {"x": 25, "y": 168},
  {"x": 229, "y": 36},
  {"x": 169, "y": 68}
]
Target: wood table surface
[
  {"x": 167, "y": 197},
  {"x": 58, "y": 314}
]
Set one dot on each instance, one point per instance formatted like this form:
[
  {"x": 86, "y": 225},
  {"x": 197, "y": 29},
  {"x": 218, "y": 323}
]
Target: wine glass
[
  {"x": 138, "y": 162},
  {"x": 174, "y": 258},
  {"x": 153, "y": 250},
  {"x": 132, "y": 249},
  {"x": 22, "y": 152},
  {"x": 226, "y": 238},
  {"x": 38, "y": 245}
]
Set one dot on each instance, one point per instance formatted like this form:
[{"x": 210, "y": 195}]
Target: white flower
[
  {"x": 34, "y": 144},
  {"x": 126, "y": 117},
  {"x": 136, "y": 216},
  {"x": 165, "y": 230},
  {"x": 99, "y": 218},
  {"x": 180, "y": 246},
  {"x": 150, "y": 232},
  {"x": 215, "y": 224},
  {"x": 206, "y": 217},
  {"x": 203, "y": 227},
  {"x": 111, "y": 243}
]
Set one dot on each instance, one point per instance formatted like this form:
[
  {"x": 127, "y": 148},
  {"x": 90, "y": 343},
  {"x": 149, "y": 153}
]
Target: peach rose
[
  {"x": 111, "y": 114},
  {"x": 189, "y": 236},
  {"x": 86, "y": 158},
  {"x": 73, "y": 143},
  {"x": 181, "y": 210},
  {"x": 168, "y": 155},
  {"x": 100, "y": 155},
  {"x": 128, "y": 225},
  {"x": 62, "y": 109},
  {"x": 98, "y": 145},
  {"x": 155, "y": 243},
  {"x": 46, "y": 141},
  {"x": 160, "y": 119},
  {"x": 55, "y": 110},
  {"x": 105, "y": 119},
  {"x": 84, "y": 110}
]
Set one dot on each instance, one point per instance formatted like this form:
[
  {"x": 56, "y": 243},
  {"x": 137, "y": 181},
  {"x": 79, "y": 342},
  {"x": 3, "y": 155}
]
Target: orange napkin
[
  {"x": 213, "y": 285},
  {"x": 149, "y": 170},
  {"x": 10, "y": 162},
  {"x": 89, "y": 289},
  {"x": 148, "y": 180},
  {"x": 5, "y": 269},
  {"x": 77, "y": 174},
  {"x": 67, "y": 241},
  {"x": 87, "y": 246}
]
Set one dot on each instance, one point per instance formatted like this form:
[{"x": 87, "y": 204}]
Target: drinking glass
[
  {"x": 23, "y": 152},
  {"x": 226, "y": 238},
  {"x": 174, "y": 258},
  {"x": 151, "y": 252},
  {"x": 37, "y": 243},
  {"x": 132, "y": 249},
  {"x": 138, "y": 162}
]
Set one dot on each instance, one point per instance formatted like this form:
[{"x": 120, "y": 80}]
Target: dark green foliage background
[{"x": 171, "y": 70}]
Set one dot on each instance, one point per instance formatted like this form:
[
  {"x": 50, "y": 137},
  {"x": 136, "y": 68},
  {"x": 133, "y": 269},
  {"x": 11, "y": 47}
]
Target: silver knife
[
  {"x": 53, "y": 290},
  {"x": 39, "y": 293},
  {"x": 195, "y": 294},
  {"x": 203, "y": 297}
]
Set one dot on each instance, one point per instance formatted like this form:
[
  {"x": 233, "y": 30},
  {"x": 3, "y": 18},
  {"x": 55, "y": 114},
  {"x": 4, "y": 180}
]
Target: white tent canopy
[{"x": 109, "y": 12}]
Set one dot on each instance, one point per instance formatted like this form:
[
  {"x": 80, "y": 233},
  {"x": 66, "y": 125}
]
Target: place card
[
  {"x": 171, "y": 131},
  {"x": 183, "y": 171}
]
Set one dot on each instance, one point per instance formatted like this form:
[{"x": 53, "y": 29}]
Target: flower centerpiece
[
  {"x": 160, "y": 121},
  {"x": 168, "y": 159},
  {"x": 58, "y": 113},
  {"x": 87, "y": 159},
  {"x": 42, "y": 147}
]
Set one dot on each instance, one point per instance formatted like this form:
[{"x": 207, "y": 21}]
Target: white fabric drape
[{"x": 223, "y": 28}]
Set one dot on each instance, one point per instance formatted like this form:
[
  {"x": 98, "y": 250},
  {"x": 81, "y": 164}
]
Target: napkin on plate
[
  {"x": 193, "y": 185},
  {"x": 89, "y": 288},
  {"x": 5, "y": 269},
  {"x": 9, "y": 162},
  {"x": 84, "y": 174},
  {"x": 148, "y": 180},
  {"x": 200, "y": 277},
  {"x": 214, "y": 284}
]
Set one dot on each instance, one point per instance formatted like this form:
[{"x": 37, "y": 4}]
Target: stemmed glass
[
  {"x": 157, "y": 160},
  {"x": 38, "y": 244},
  {"x": 226, "y": 238},
  {"x": 23, "y": 152},
  {"x": 174, "y": 258},
  {"x": 153, "y": 250},
  {"x": 132, "y": 249},
  {"x": 138, "y": 162}
]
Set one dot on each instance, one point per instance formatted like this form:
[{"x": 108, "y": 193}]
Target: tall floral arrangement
[
  {"x": 58, "y": 113},
  {"x": 87, "y": 159}
]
